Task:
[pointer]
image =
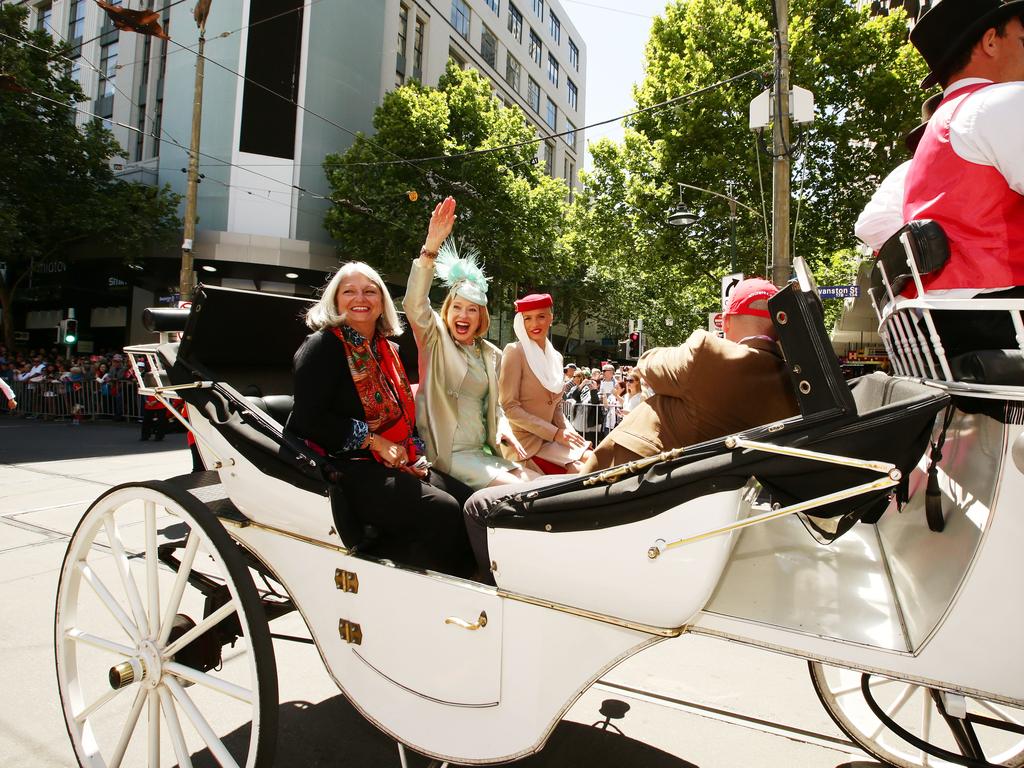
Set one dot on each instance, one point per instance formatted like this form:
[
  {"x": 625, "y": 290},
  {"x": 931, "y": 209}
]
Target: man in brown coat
[{"x": 708, "y": 387}]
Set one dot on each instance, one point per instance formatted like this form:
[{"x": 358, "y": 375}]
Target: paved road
[{"x": 49, "y": 473}]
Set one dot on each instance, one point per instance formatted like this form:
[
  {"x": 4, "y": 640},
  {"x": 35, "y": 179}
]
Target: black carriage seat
[
  {"x": 881, "y": 419},
  {"x": 277, "y": 407}
]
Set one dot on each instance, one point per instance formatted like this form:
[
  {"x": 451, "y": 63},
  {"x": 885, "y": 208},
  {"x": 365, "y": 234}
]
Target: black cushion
[
  {"x": 278, "y": 407},
  {"x": 989, "y": 366}
]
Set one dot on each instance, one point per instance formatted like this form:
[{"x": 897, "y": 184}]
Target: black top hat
[
  {"x": 948, "y": 27},
  {"x": 928, "y": 107}
]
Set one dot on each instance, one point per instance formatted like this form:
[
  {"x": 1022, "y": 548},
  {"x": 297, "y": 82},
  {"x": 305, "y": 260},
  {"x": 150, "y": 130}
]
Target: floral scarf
[{"x": 382, "y": 386}]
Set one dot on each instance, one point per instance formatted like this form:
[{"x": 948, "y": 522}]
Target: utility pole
[
  {"x": 186, "y": 280},
  {"x": 780, "y": 150}
]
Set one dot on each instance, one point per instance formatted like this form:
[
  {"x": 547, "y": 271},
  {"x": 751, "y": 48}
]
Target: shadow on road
[
  {"x": 23, "y": 441},
  {"x": 333, "y": 733}
]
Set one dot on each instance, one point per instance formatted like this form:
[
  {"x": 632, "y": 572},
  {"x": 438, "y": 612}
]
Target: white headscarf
[{"x": 546, "y": 363}]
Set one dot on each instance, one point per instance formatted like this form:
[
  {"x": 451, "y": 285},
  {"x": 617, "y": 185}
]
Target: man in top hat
[
  {"x": 708, "y": 387},
  {"x": 968, "y": 171},
  {"x": 882, "y": 217},
  {"x": 530, "y": 386}
]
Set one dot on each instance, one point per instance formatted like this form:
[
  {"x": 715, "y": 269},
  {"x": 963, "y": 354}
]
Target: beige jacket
[
  {"x": 443, "y": 370},
  {"x": 534, "y": 413}
]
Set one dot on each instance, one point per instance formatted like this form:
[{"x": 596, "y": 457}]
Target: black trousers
[
  {"x": 966, "y": 331},
  {"x": 418, "y": 522}
]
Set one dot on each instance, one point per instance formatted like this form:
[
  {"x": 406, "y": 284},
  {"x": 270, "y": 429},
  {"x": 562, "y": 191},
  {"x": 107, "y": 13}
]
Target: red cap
[
  {"x": 749, "y": 292},
  {"x": 534, "y": 301}
]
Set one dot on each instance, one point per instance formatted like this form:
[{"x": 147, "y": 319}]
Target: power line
[{"x": 613, "y": 10}]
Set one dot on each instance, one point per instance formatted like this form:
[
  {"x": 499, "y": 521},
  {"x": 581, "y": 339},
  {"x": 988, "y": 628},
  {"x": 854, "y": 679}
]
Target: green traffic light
[{"x": 70, "y": 338}]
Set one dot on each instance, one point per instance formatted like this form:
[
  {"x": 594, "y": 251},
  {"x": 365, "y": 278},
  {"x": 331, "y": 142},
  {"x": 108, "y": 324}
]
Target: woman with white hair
[
  {"x": 354, "y": 404},
  {"x": 457, "y": 402}
]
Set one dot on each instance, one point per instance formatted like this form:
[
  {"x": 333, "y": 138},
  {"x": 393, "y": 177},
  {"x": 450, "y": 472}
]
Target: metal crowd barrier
[
  {"x": 590, "y": 419},
  {"x": 76, "y": 401}
]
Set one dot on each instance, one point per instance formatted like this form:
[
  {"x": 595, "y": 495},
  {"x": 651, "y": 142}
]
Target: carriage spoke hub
[{"x": 144, "y": 668}]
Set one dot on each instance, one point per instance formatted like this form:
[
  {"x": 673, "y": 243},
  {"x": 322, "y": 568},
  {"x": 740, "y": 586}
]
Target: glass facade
[
  {"x": 535, "y": 47},
  {"x": 489, "y": 47},
  {"x": 515, "y": 22},
  {"x": 460, "y": 17}
]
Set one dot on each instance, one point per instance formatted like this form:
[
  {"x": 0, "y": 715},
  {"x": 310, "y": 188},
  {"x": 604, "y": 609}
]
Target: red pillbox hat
[{"x": 534, "y": 301}]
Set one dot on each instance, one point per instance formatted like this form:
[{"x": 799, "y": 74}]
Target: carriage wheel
[
  {"x": 151, "y": 670},
  {"x": 992, "y": 734}
]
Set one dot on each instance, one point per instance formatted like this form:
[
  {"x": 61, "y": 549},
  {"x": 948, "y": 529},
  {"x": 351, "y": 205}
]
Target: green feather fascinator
[{"x": 462, "y": 273}]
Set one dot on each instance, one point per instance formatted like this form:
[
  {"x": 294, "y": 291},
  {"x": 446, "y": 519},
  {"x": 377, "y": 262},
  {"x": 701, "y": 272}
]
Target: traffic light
[
  {"x": 634, "y": 345},
  {"x": 69, "y": 331}
]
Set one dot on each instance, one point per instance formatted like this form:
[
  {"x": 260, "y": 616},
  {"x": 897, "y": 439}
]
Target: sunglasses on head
[{"x": 630, "y": 380}]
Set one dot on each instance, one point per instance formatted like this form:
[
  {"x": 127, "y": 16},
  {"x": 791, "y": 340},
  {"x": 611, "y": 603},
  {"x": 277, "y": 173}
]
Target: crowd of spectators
[
  {"x": 596, "y": 399},
  {"x": 52, "y": 385}
]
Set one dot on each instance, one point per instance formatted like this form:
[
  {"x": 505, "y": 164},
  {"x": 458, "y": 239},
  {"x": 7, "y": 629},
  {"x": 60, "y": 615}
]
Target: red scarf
[{"x": 383, "y": 388}]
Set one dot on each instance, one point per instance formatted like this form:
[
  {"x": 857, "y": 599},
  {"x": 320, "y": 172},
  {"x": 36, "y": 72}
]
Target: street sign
[
  {"x": 716, "y": 323},
  {"x": 838, "y": 291},
  {"x": 728, "y": 283}
]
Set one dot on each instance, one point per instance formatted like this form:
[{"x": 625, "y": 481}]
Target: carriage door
[{"x": 436, "y": 638}]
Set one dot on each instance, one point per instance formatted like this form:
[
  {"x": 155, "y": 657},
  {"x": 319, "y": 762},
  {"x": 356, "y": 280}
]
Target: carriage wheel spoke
[
  {"x": 98, "y": 642},
  {"x": 211, "y": 682},
  {"x": 174, "y": 726},
  {"x": 894, "y": 710},
  {"x": 202, "y": 627},
  {"x": 125, "y": 572},
  {"x": 152, "y": 565},
  {"x": 179, "y": 587},
  {"x": 82, "y": 716},
  {"x": 999, "y": 712},
  {"x": 108, "y": 600},
  {"x": 926, "y": 729},
  {"x": 216, "y": 746},
  {"x": 129, "y": 727},
  {"x": 153, "y": 740}
]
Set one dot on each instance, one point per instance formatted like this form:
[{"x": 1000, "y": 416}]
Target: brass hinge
[
  {"x": 350, "y": 632},
  {"x": 346, "y": 581}
]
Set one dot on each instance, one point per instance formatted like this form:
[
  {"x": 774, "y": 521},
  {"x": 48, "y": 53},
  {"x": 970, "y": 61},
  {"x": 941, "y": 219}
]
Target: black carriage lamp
[{"x": 680, "y": 216}]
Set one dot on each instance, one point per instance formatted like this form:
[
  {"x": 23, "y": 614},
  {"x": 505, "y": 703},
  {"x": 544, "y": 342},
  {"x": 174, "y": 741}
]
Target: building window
[
  {"x": 271, "y": 90},
  {"x": 552, "y": 70},
  {"x": 573, "y": 93},
  {"x": 403, "y": 25},
  {"x": 570, "y": 178},
  {"x": 556, "y": 28},
  {"x": 494, "y": 5},
  {"x": 515, "y": 23},
  {"x": 460, "y": 17},
  {"x": 552, "y": 115},
  {"x": 533, "y": 95},
  {"x": 570, "y": 136},
  {"x": 549, "y": 158},
  {"x": 417, "y": 49},
  {"x": 489, "y": 47},
  {"x": 76, "y": 22},
  {"x": 574, "y": 56},
  {"x": 535, "y": 47},
  {"x": 513, "y": 71},
  {"x": 455, "y": 56},
  {"x": 538, "y": 8},
  {"x": 44, "y": 17},
  {"x": 108, "y": 70}
]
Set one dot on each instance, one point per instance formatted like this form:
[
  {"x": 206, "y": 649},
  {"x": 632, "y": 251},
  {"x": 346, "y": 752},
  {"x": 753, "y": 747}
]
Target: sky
[{"x": 615, "y": 33}]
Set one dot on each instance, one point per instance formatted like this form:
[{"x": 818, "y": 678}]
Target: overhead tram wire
[
  {"x": 539, "y": 139},
  {"x": 132, "y": 128}
]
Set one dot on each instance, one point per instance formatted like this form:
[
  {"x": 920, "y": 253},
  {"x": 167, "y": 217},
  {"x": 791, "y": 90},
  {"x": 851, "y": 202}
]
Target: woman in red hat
[
  {"x": 457, "y": 401},
  {"x": 530, "y": 387}
]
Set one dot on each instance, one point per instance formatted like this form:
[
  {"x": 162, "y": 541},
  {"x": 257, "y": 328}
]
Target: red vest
[{"x": 982, "y": 217}]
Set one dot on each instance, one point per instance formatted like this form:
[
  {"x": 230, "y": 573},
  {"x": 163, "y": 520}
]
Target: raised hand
[{"x": 441, "y": 222}]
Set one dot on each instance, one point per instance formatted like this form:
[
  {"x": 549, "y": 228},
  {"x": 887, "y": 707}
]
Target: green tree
[
  {"x": 58, "y": 193},
  {"x": 863, "y": 75},
  {"x": 508, "y": 206}
]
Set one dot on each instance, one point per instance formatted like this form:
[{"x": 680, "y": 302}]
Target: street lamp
[{"x": 679, "y": 216}]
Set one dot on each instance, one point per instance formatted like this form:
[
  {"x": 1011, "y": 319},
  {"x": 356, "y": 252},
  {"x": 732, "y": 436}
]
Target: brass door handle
[{"x": 478, "y": 624}]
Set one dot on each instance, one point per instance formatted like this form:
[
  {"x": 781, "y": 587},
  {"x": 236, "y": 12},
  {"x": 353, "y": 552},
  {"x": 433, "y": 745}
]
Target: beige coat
[
  {"x": 534, "y": 413},
  {"x": 443, "y": 370}
]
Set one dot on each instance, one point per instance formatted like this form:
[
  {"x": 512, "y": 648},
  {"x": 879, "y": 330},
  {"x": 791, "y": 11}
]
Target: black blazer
[{"x": 326, "y": 400}]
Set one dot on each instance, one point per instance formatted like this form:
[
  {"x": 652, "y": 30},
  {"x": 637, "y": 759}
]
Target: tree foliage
[
  {"x": 863, "y": 75},
  {"x": 58, "y": 192},
  {"x": 508, "y": 206}
]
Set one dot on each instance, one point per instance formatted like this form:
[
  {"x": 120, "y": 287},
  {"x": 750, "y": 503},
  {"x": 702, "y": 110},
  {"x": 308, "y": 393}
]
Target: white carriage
[{"x": 807, "y": 537}]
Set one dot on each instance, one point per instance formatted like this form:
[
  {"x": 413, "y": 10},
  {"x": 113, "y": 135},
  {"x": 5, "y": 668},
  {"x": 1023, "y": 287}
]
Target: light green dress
[{"x": 472, "y": 460}]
